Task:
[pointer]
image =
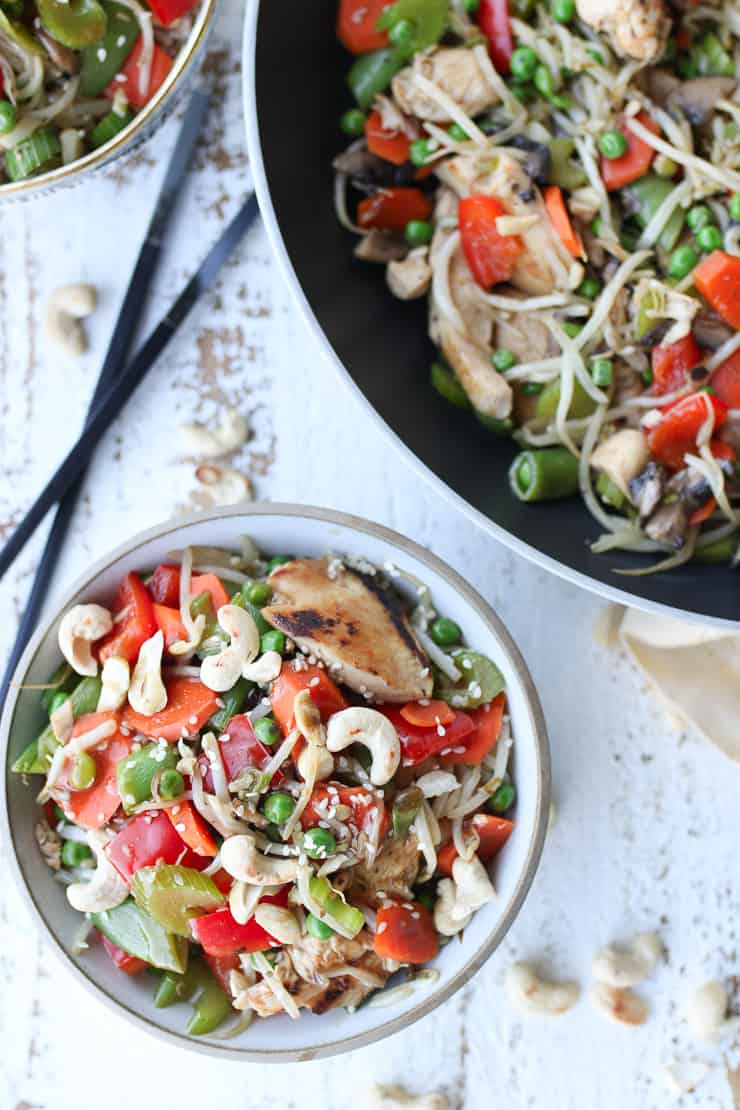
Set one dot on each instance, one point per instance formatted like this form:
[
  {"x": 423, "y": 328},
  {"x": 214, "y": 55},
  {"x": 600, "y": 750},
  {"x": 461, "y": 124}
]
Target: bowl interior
[
  {"x": 382, "y": 342},
  {"x": 303, "y": 532}
]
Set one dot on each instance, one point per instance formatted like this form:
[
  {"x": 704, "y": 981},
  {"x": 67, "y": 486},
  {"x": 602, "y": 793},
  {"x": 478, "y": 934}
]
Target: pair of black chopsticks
[{"x": 118, "y": 380}]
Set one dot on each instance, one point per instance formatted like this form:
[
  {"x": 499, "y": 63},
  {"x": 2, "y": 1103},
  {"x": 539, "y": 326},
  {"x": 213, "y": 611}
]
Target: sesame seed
[
  {"x": 102, "y": 54},
  {"x": 192, "y": 720},
  {"x": 382, "y": 927},
  {"x": 180, "y": 826}
]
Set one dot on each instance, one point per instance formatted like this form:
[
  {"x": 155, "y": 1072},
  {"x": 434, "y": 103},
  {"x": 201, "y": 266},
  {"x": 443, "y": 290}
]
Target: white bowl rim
[
  {"x": 285, "y": 265},
  {"x": 542, "y": 752}
]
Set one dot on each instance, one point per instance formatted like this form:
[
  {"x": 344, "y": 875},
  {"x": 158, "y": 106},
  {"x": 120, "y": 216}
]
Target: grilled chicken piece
[
  {"x": 348, "y": 620},
  {"x": 411, "y": 277},
  {"x": 488, "y": 391},
  {"x": 393, "y": 873},
  {"x": 456, "y": 72},
  {"x": 637, "y": 29},
  {"x": 622, "y": 457},
  {"x": 302, "y": 969}
]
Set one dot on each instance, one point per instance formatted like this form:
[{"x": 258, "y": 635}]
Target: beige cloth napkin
[{"x": 694, "y": 667}]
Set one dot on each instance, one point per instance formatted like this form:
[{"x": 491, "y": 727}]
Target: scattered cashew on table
[{"x": 66, "y": 308}]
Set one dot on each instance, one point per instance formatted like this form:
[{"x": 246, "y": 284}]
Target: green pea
[
  {"x": 56, "y": 700},
  {"x": 319, "y": 843},
  {"x": 596, "y": 227},
  {"x": 563, "y": 11},
  {"x": 709, "y": 239},
  {"x": 596, "y": 56},
  {"x": 647, "y": 377},
  {"x": 273, "y": 641},
  {"x": 445, "y": 632},
  {"x": 571, "y": 329},
  {"x": 317, "y": 928},
  {"x": 171, "y": 785},
  {"x": 589, "y": 288},
  {"x": 503, "y": 359},
  {"x": 259, "y": 593},
  {"x": 278, "y": 807},
  {"x": 544, "y": 81},
  {"x": 698, "y": 217},
  {"x": 74, "y": 854},
  {"x": 613, "y": 144},
  {"x": 523, "y": 91},
  {"x": 503, "y": 798},
  {"x": 601, "y": 371},
  {"x": 735, "y": 207},
  {"x": 682, "y": 261},
  {"x": 418, "y": 232},
  {"x": 268, "y": 731},
  {"x": 419, "y": 151},
  {"x": 471, "y": 6},
  {"x": 352, "y": 122},
  {"x": 401, "y": 35},
  {"x": 278, "y": 561},
  {"x": 530, "y": 389},
  {"x": 84, "y": 770},
  {"x": 8, "y": 117},
  {"x": 458, "y": 133},
  {"x": 523, "y": 63}
]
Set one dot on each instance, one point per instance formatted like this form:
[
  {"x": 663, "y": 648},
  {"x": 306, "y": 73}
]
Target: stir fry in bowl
[
  {"x": 275, "y": 782},
  {"x": 74, "y": 73},
  {"x": 561, "y": 181}
]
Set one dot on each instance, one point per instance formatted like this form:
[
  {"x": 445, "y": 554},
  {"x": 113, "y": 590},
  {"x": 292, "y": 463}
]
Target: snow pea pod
[
  {"x": 648, "y": 193},
  {"x": 74, "y": 23},
  {"x": 234, "y": 701},
  {"x": 211, "y": 1007},
  {"x": 372, "y": 73},
  {"x": 723, "y": 551},
  {"x": 405, "y": 809},
  {"x": 102, "y": 62},
  {"x": 581, "y": 404},
  {"x": 174, "y": 988},
  {"x": 36, "y": 758},
  {"x": 424, "y": 21},
  {"x": 63, "y": 681},
  {"x": 134, "y": 774}
]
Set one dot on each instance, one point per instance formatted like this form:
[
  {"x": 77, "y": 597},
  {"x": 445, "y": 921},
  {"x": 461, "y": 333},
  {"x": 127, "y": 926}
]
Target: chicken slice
[
  {"x": 350, "y": 622},
  {"x": 637, "y": 29},
  {"x": 411, "y": 277},
  {"x": 456, "y": 72},
  {"x": 391, "y": 875},
  {"x": 487, "y": 390}
]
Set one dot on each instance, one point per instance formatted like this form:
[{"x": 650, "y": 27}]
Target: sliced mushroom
[
  {"x": 381, "y": 246},
  {"x": 622, "y": 457},
  {"x": 79, "y": 629},
  {"x": 697, "y": 98}
]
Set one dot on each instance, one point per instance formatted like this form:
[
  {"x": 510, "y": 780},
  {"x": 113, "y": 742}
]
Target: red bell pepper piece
[
  {"x": 94, "y": 807},
  {"x": 418, "y": 744},
  {"x": 635, "y": 162},
  {"x": 393, "y": 146},
  {"x": 167, "y": 12},
  {"x": 222, "y": 967},
  {"x": 362, "y": 802},
  {"x": 240, "y": 748},
  {"x": 134, "y": 621},
  {"x": 189, "y": 705},
  {"x": 392, "y": 209},
  {"x": 405, "y": 934},
  {"x": 221, "y": 935},
  {"x": 164, "y": 587},
  {"x": 717, "y": 277},
  {"x": 147, "y": 839},
  {"x": 494, "y": 22},
  {"x": 493, "y": 833},
  {"x": 129, "y": 75},
  {"x": 170, "y": 625},
  {"x": 324, "y": 692},
  {"x": 726, "y": 381},
  {"x": 130, "y": 965},
  {"x": 487, "y": 729},
  {"x": 671, "y": 364},
  {"x": 356, "y": 25},
  {"x": 676, "y": 434},
  {"x": 490, "y": 256}
]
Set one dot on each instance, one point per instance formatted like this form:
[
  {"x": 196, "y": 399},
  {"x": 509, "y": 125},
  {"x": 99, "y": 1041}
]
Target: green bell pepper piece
[
  {"x": 581, "y": 404},
  {"x": 234, "y": 701},
  {"x": 121, "y": 34},
  {"x": 372, "y": 73},
  {"x": 650, "y": 191},
  {"x": 174, "y": 988},
  {"x": 75, "y": 23},
  {"x": 333, "y": 906},
  {"x": 172, "y": 894},
  {"x": 36, "y": 758},
  {"x": 211, "y": 1007},
  {"x": 256, "y": 613},
  {"x": 563, "y": 170},
  {"x": 476, "y": 670},
  {"x": 140, "y": 935},
  {"x": 134, "y": 774},
  {"x": 406, "y": 806},
  {"x": 429, "y": 18}
]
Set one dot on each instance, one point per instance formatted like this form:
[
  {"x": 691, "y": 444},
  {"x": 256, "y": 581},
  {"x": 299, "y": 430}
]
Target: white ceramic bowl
[{"x": 306, "y": 531}]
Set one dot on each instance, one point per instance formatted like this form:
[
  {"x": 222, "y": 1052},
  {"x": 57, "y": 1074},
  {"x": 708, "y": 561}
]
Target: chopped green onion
[{"x": 40, "y": 151}]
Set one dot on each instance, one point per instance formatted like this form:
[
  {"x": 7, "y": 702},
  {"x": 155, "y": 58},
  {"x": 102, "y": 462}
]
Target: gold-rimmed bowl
[
  {"x": 142, "y": 126},
  {"x": 312, "y": 532}
]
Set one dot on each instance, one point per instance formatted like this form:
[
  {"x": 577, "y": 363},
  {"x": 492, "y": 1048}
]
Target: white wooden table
[{"x": 648, "y": 820}]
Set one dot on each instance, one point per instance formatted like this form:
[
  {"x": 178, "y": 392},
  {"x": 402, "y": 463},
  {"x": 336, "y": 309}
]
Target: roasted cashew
[
  {"x": 66, "y": 307},
  {"x": 620, "y": 1004},
  {"x": 533, "y": 994},
  {"x": 629, "y": 965},
  {"x": 242, "y": 860},
  {"x": 231, "y": 433},
  {"x": 147, "y": 693},
  {"x": 359, "y": 725},
  {"x": 220, "y": 672},
  {"x": 80, "y": 627},
  {"x": 116, "y": 678},
  {"x": 106, "y": 889}
]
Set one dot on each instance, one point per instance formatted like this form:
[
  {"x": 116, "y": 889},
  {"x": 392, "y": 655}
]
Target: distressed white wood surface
[{"x": 648, "y": 820}]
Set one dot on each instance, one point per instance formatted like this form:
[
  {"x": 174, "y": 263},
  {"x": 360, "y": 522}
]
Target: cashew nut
[
  {"x": 684, "y": 1076},
  {"x": 225, "y": 486},
  {"x": 231, "y": 433},
  {"x": 242, "y": 860},
  {"x": 116, "y": 676},
  {"x": 706, "y": 1012},
  {"x": 106, "y": 889},
  {"x": 66, "y": 307},
  {"x": 473, "y": 887},
  {"x": 533, "y": 994},
  {"x": 264, "y": 669},
  {"x": 80, "y": 627},
  {"x": 62, "y": 721},
  {"x": 396, "y": 1098},
  {"x": 629, "y": 965},
  {"x": 147, "y": 693},
  {"x": 220, "y": 672},
  {"x": 279, "y": 922},
  {"x": 444, "y": 921},
  {"x": 359, "y": 725},
  {"x": 324, "y": 764},
  {"x": 620, "y": 1004}
]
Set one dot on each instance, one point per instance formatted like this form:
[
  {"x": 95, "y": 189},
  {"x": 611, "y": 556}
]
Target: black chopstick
[
  {"x": 119, "y": 392},
  {"x": 118, "y": 352}
]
